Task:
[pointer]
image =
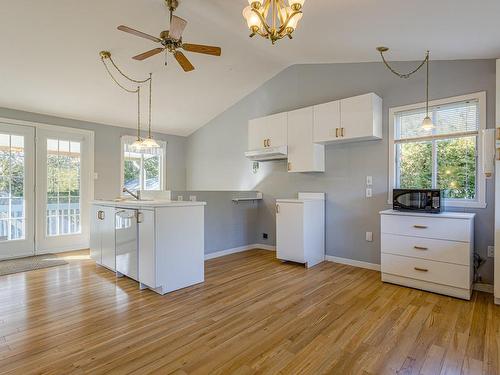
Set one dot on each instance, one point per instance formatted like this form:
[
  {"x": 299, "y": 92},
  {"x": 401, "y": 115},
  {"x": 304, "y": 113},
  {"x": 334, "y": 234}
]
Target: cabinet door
[
  {"x": 357, "y": 117},
  {"x": 290, "y": 231},
  {"x": 326, "y": 122},
  {"x": 147, "y": 253},
  {"x": 108, "y": 238},
  {"x": 303, "y": 154},
  {"x": 257, "y": 133},
  {"x": 95, "y": 234},
  {"x": 276, "y": 130}
]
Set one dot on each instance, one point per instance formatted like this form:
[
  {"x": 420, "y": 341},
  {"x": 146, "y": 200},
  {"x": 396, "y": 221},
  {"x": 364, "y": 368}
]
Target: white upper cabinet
[
  {"x": 303, "y": 154},
  {"x": 270, "y": 131},
  {"x": 349, "y": 120},
  {"x": 326, "y": 121}
]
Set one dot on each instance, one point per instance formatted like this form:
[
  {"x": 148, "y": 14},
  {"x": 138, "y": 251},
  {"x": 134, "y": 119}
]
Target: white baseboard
[
  {"x": 354, "y": 263},
  {"x": 239, "y": 249},
  {"x": 481, "y": 287}
]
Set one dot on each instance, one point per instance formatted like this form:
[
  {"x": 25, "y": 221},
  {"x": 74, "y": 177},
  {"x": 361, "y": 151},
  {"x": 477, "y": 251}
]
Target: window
[
  {"x": 63, "y": 187},
  {"x": 447, "y": 157},
  {"x": 143, "y": 170}
]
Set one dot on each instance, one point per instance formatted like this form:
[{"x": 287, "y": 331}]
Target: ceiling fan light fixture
[{"x": 296, "y": 5}]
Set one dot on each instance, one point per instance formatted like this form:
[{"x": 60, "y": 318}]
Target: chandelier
[
  {"x": 283, "y": 19},
  {"x": 140, "y": 144},
  {"x": 427, "y": 124}
]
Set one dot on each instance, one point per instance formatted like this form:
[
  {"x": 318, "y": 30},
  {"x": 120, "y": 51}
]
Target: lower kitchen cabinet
[{"x": 102, "y": 236}]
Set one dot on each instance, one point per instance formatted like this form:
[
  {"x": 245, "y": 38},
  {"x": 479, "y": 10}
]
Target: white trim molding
[
  {"x": 352, "y": 262},
  {"x": 239, "y": 249},
  {"x": 482, "y": 287},
  {"x": 480, "y": 202}
]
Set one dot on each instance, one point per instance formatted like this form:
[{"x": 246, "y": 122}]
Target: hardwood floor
[{"x": 253, "y": 314}]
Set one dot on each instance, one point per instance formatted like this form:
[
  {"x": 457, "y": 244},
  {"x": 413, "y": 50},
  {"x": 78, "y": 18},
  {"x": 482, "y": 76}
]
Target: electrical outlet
[
  {"x": 369, "y": 192},
  {"x": 491, "y": 251},
  {"x": 180, "y": 198},
  {"x": 192, "y": 198},
  {"x": 264, "y": 236},
  {"x": 369, "y": 236},
  {"x": 369, "y": 180}
]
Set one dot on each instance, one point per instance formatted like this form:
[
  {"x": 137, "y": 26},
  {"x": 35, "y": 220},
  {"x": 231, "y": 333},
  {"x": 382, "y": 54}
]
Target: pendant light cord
[
  {"x": 138, "y": 113},
  {"x": 150, "y": 100},
  {"x": 427, "y": 86}
]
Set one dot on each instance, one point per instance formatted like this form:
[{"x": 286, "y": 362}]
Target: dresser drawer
[
  {"x": 429, "y": 227},
  {"x": 427, "y": 248},
  {"x": 427, "y": 270}
]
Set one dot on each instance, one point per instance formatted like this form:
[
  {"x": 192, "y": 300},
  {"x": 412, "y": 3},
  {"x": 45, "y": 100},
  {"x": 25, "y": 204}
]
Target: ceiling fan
[{"x": 171, "y": 41}]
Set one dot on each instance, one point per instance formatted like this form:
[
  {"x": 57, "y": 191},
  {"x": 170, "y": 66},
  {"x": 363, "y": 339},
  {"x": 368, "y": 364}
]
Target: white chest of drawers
[{"x": 432, "y": 252}]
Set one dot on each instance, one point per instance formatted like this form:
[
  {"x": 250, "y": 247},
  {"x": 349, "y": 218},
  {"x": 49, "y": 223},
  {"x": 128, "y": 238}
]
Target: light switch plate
[
  {"x": 369, "y": 192},
  {"x": 369, "y": 236},
  {"x": 369, "y": 180},
  {"x": 491, "y": 251},
  {"x": 180, "y": 198}
]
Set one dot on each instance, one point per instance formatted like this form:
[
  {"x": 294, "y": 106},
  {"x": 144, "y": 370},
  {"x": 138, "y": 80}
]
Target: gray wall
[
  {"x": 227, "y": 224},
  {"x": 215, "y": 158},
  {"x": 107, "y": 151}
]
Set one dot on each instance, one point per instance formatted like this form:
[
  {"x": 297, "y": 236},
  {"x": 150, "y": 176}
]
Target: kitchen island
[{"x": 160, "y": 244}]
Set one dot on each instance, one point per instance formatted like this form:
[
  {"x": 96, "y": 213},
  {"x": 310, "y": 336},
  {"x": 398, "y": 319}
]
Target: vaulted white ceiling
[{"x": 49, "y": 59}]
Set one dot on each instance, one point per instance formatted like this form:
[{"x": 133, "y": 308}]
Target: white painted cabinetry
[
  {"x": 349, "y": 120},
  {"x": 432, "y": 252},
  {"x": 269, "y": 131},
  {"x": 303, "y": 154},
  {"x": 102, "y": 236},
  {"x": 300, "y": 229}
]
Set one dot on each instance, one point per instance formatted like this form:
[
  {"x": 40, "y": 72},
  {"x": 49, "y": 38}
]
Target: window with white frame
[
  {"x": 143, "y": 170},
  {"x": 447, "y": 157}
]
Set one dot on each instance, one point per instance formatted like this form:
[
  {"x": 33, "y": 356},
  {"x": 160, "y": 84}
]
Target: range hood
[{"x": 268, "y": 153}]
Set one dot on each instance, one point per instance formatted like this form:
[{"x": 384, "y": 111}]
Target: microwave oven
[{"x": 420, "y": 200}]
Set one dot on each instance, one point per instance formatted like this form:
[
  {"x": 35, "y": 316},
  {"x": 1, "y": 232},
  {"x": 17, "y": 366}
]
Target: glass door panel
[
  {"x": 16, "y": 191},
  {"x": 63, "y": 188}
]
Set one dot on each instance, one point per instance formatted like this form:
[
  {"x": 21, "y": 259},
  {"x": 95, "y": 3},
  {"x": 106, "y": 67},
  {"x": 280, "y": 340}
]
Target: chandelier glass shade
[{"x": 273, "y": 19}]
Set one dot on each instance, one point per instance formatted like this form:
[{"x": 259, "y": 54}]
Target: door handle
[
  {"x": 420, "y": 248},
  {"x": 421, "y": 269},
  {"x": 277, "y": 208},
  {"x": 420, "y": 226}
]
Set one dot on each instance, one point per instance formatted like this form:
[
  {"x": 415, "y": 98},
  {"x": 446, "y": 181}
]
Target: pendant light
[
  {"x": 149, "y": 142},
  {"x": 427, "y": 124},
  {"x": 138, "y": 143}
]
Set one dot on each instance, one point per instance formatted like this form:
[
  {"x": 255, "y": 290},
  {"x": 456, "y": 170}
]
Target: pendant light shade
[
  {"x": 150, "y": 143},
  {"x": 427, "y": 124},
  {"x": 137, "y": 146}
]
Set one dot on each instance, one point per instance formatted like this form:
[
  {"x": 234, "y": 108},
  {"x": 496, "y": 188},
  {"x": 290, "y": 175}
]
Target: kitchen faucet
[{"x": 136, "y": 196}]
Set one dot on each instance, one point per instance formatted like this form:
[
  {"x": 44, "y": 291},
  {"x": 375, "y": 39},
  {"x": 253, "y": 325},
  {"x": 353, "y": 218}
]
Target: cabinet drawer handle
[
  {"x": 289, "y": 166},
  {"x": 277, "y": 208},
  {"x": 337, "y": 132},
  {"x": 268, "y": 142},
  {"x": 341, "y": 132},
  {"x": 420, "y": 226},
  {"x": 421, "y": 269},
  {"x": 265, "y": 140},
  {"x": 420, "y": 248}
]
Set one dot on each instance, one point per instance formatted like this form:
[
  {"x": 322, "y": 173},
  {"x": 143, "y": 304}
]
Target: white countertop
[
  {"x": 446, "y": 214},
  {"x": 146, "y": 204}
]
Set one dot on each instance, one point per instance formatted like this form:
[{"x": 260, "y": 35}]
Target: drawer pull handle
[
  {"x": 421, "y": 269},
  {"x": 420, "y": 248},
  {"x": 420, "y": 226}
]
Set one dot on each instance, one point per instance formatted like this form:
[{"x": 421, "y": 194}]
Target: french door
[
  {"x": 17, "y": 182},
  {"x": 62, "y": 191},
  {"x": 45, "y": 189}
]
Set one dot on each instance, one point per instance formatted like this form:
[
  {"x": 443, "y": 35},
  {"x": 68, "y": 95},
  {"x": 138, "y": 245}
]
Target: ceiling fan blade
[
  {"x": 183, "y": 61},
  {"x": 147, "y": 54},
  {"x": 137, "y": 33},
  {"x": 177, "y": 26},
  {"x": 200, "y": 48}
]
